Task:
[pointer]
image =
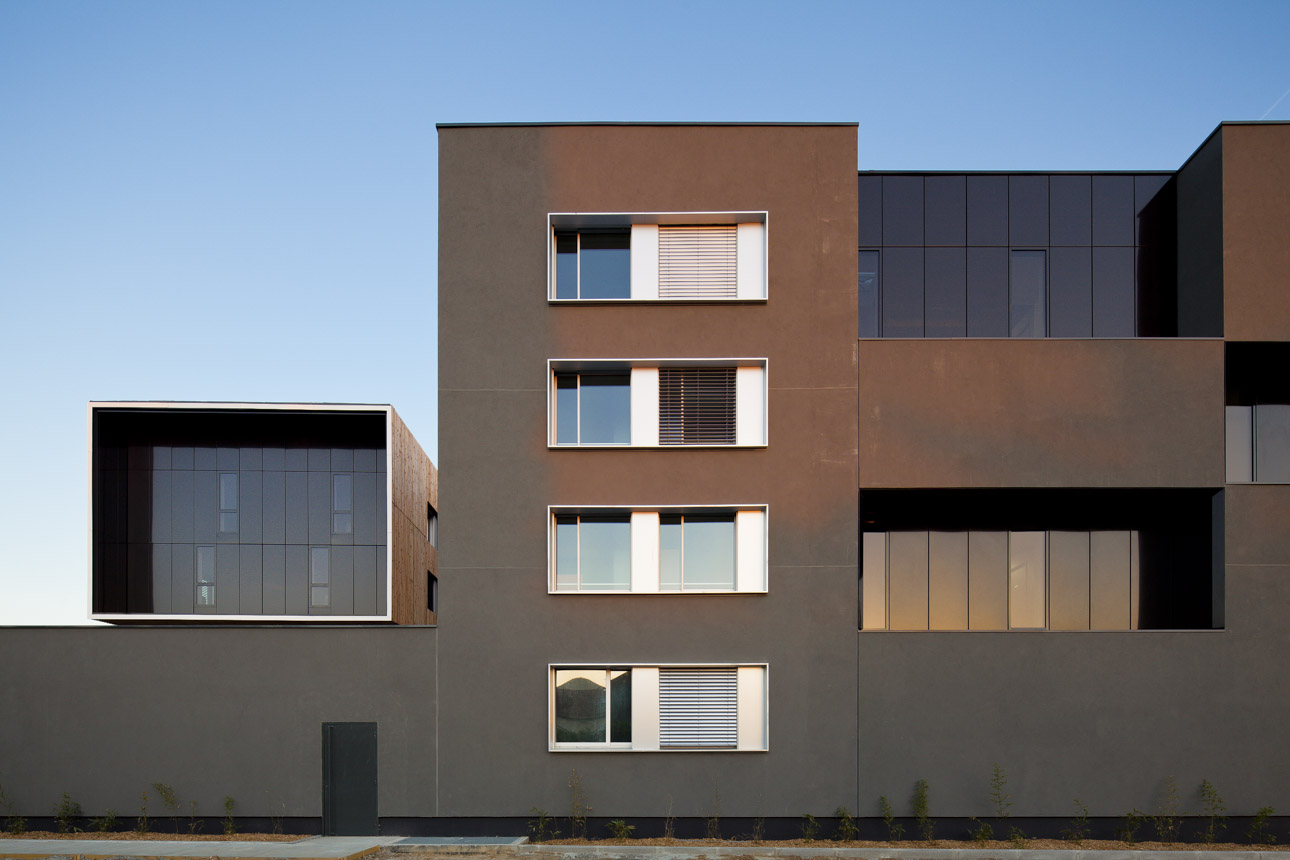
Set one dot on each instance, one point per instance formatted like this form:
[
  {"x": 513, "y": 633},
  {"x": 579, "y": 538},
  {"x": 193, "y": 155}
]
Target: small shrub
[
  {"x": 981, "y": 832},
  {"x": 620, "y": 829},
  {"x": 141, "y": 823},
  {"x": 847, "y": 829},
  {"x": 1213, "y": 809},
  {"x": 1079, "y": 829},
  {"x": 106, "y": 824},
  {"x": 810, "y": 827},
  {"x": 542, "y": 826},
  {"x": 1168, "y": 821},
  {"x": 895, "y": 829},
  {"x": 66, "y": 814},
  {"x": 759, "y": 829},
  {"x": 170, "y": 800},
  {"x": 1016, "y": 837},
  {"x": 275, "y": 813},
  {"x": 669, "y": 823},
  {"x": 926, "y": 827},
  {"x": 194, "y": 823},
  {"x": 1258, "y": 834},
  {"x": 230, "y": 826},
  {"x": 712, "y": 824},
  {"x": 1128, "y": 830},
  {"x": 578, "y": 807},
  {"x": 13, "y": 824},
  {"x": 1000, "y": 800}
]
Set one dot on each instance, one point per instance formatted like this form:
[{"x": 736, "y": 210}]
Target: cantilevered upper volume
[{"x": 259, "y": 512}]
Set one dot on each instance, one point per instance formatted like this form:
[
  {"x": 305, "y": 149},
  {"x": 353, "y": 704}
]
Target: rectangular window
[
  {"x": 319, "y": 577},
  {"x": 1027, "y": 294},
  {"x": 593, "y": 706},
  {"x": 657, "y": 402},
  {"x": 696, "y": 552},
  {"x": 228, "y": 502},
  {"x": 205, "y": 576},
  {"x": 593, "y": 553},
  {"x": 705, "y": 548},
  {"x": 342, "y": 504},
  {"x": 593, "y": 264},
  {"x": 697, "y": 262},
  {"x": 593, "y": 408},
  {"x": 696, "y": 406},
  {"x": 870, "y": 291},
  {"x": 432, "y": 526},
  {"x": 670, "y": 257},
  {"x": 623, "y": 708},
  {"x": 1057, "y": 580},
  {"x": 1258, "y": 443},
  {"x": 432, "y": 592}
]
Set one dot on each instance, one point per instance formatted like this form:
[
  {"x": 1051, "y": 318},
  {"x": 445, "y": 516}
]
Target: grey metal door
[{"x": 349, "y": 779}]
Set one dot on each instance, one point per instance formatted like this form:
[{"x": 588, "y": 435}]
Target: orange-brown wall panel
[{"x": 1256, "y": 224}]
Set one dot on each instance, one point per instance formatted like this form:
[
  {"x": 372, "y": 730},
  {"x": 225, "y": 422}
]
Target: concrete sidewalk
[
  {"x": 712, "y": 852},
  {"x": 307, "y": 848}
]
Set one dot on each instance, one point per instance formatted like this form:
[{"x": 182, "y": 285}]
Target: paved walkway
[
  {"x": 713, "y": 852},
  {"x": 308, "y": 848}
]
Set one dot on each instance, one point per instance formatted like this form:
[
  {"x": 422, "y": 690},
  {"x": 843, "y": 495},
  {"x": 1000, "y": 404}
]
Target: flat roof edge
[
  {"x": 441, "y": 125},
  {"x": 237, "y": 404},
  {"x": 1154, "y": 172}
]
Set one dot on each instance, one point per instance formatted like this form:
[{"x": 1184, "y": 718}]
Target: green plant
[
  {"x": 847, "y": 829},
  {"x": 981, "y": 833},
  {"x": 1079, "y": 829},
  {"x": 170, "y": 800},
  {"x": 620, "y": 829},
  {"x": 141, "y": 823},
  {"x": 810, "y": 827},
  {"x": 14, "y": 824},
  {"x": 759, "y": 829},
  {"x": 106, "y": 824},
  {"x": 712, "y": 824},
  {"x": 926, "y": 827},
  {"x": 230, "y": 827},
  {"x": 669, "y": 823},
  {"x": 1000, "y": 800},
  {"x": 543, "y": 826},
  {"x": 1168, "y": 821},
  {"x": 194, "y": 823},
  {"x": 578, "y": 807},
  {"x": 275, "y": 813},
  {"x": 1016, "y": 837},
  {"x": 1128, "y": 830},
  {"x": 66, "y": 813},
  {"x": 1213, "y": 809},
  {"x": 1258, "y": 833},
  {"x": 894, "y": 828}
]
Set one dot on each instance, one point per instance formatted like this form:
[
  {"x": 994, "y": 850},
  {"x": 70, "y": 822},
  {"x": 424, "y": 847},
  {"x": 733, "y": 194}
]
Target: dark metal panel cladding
[
  {"x": 227, "y": 579},
  {"x": 1113, "y": 213},
  {"x": 1071, "y": 311},
  {"x": 1028, "y": 210},
  {"x": 1113, "y": 304},
  {"x": 182, "y": 578},
  {"x": 320, "y": 459},
  {"x": 162, "y": 505},
  {"x": 161, "y": 578},
  {"x": 250, "y": 507},
  {"x": 945, "y": 217},
  {"x": 342, "y": 459},
  {"x": 870, "y": 233},
  {"x": 227, "y": 459},
  {"x": 251, "y": 580},
  {"x": 274, "y": 512},
  {"x": 987, "y": 210},
  {"x": 297, "y": 579},
  {"x": 902, "y": 210},
  {"x": 342, "y": 580},
  {"x": 902, "y": 292},
  {"x": 297, "y": 497},
  {"x": 205, "y": 513},
  {"x": 365, "y": 580},
  {"x": 319, "y": 507},
  {"x": 297, "y": 459},
  {"x": 275, "y": 583},
  {"x": 946, "y": 292},
  {"x": 182, "y": 485},
  {"x": 1070, "y": 209},
  {"x": 987, "y": 292},
  {"x": 366, "y": 492},
  {"x": 251, "y": 459}
]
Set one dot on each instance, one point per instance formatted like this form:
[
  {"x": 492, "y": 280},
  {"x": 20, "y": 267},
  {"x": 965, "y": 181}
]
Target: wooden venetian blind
[
  {"x": 698, "y": 708},
  {"x": 696, "y": 406},
  {"x": 697, "y": 262}
]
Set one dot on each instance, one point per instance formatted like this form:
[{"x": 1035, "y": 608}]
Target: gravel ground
[{"x": 163, "y": 836}]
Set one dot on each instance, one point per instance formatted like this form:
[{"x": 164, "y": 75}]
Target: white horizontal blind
[
  {"x": 697, "y": 262},
  {"x": 696, "y": 406},
  {"x": 698, "y": 708}
]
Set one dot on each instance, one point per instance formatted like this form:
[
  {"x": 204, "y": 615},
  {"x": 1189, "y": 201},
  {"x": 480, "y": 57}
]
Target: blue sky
[{"x": 237, "y": 201}]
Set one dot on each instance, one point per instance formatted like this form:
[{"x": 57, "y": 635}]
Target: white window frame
[
  {"x": 752, "y": 547},
  {"x": 753, "y": 714},
  {"x": 752, "y": 393},
  {"x": 753, "y": 243}
]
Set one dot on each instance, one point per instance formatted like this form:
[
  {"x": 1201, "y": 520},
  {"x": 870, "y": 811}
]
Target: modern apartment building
[{"x": 771, "y": 488}]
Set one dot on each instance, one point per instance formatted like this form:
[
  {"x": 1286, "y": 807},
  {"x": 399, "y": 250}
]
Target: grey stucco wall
[{"x": 101, "y": 713}]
